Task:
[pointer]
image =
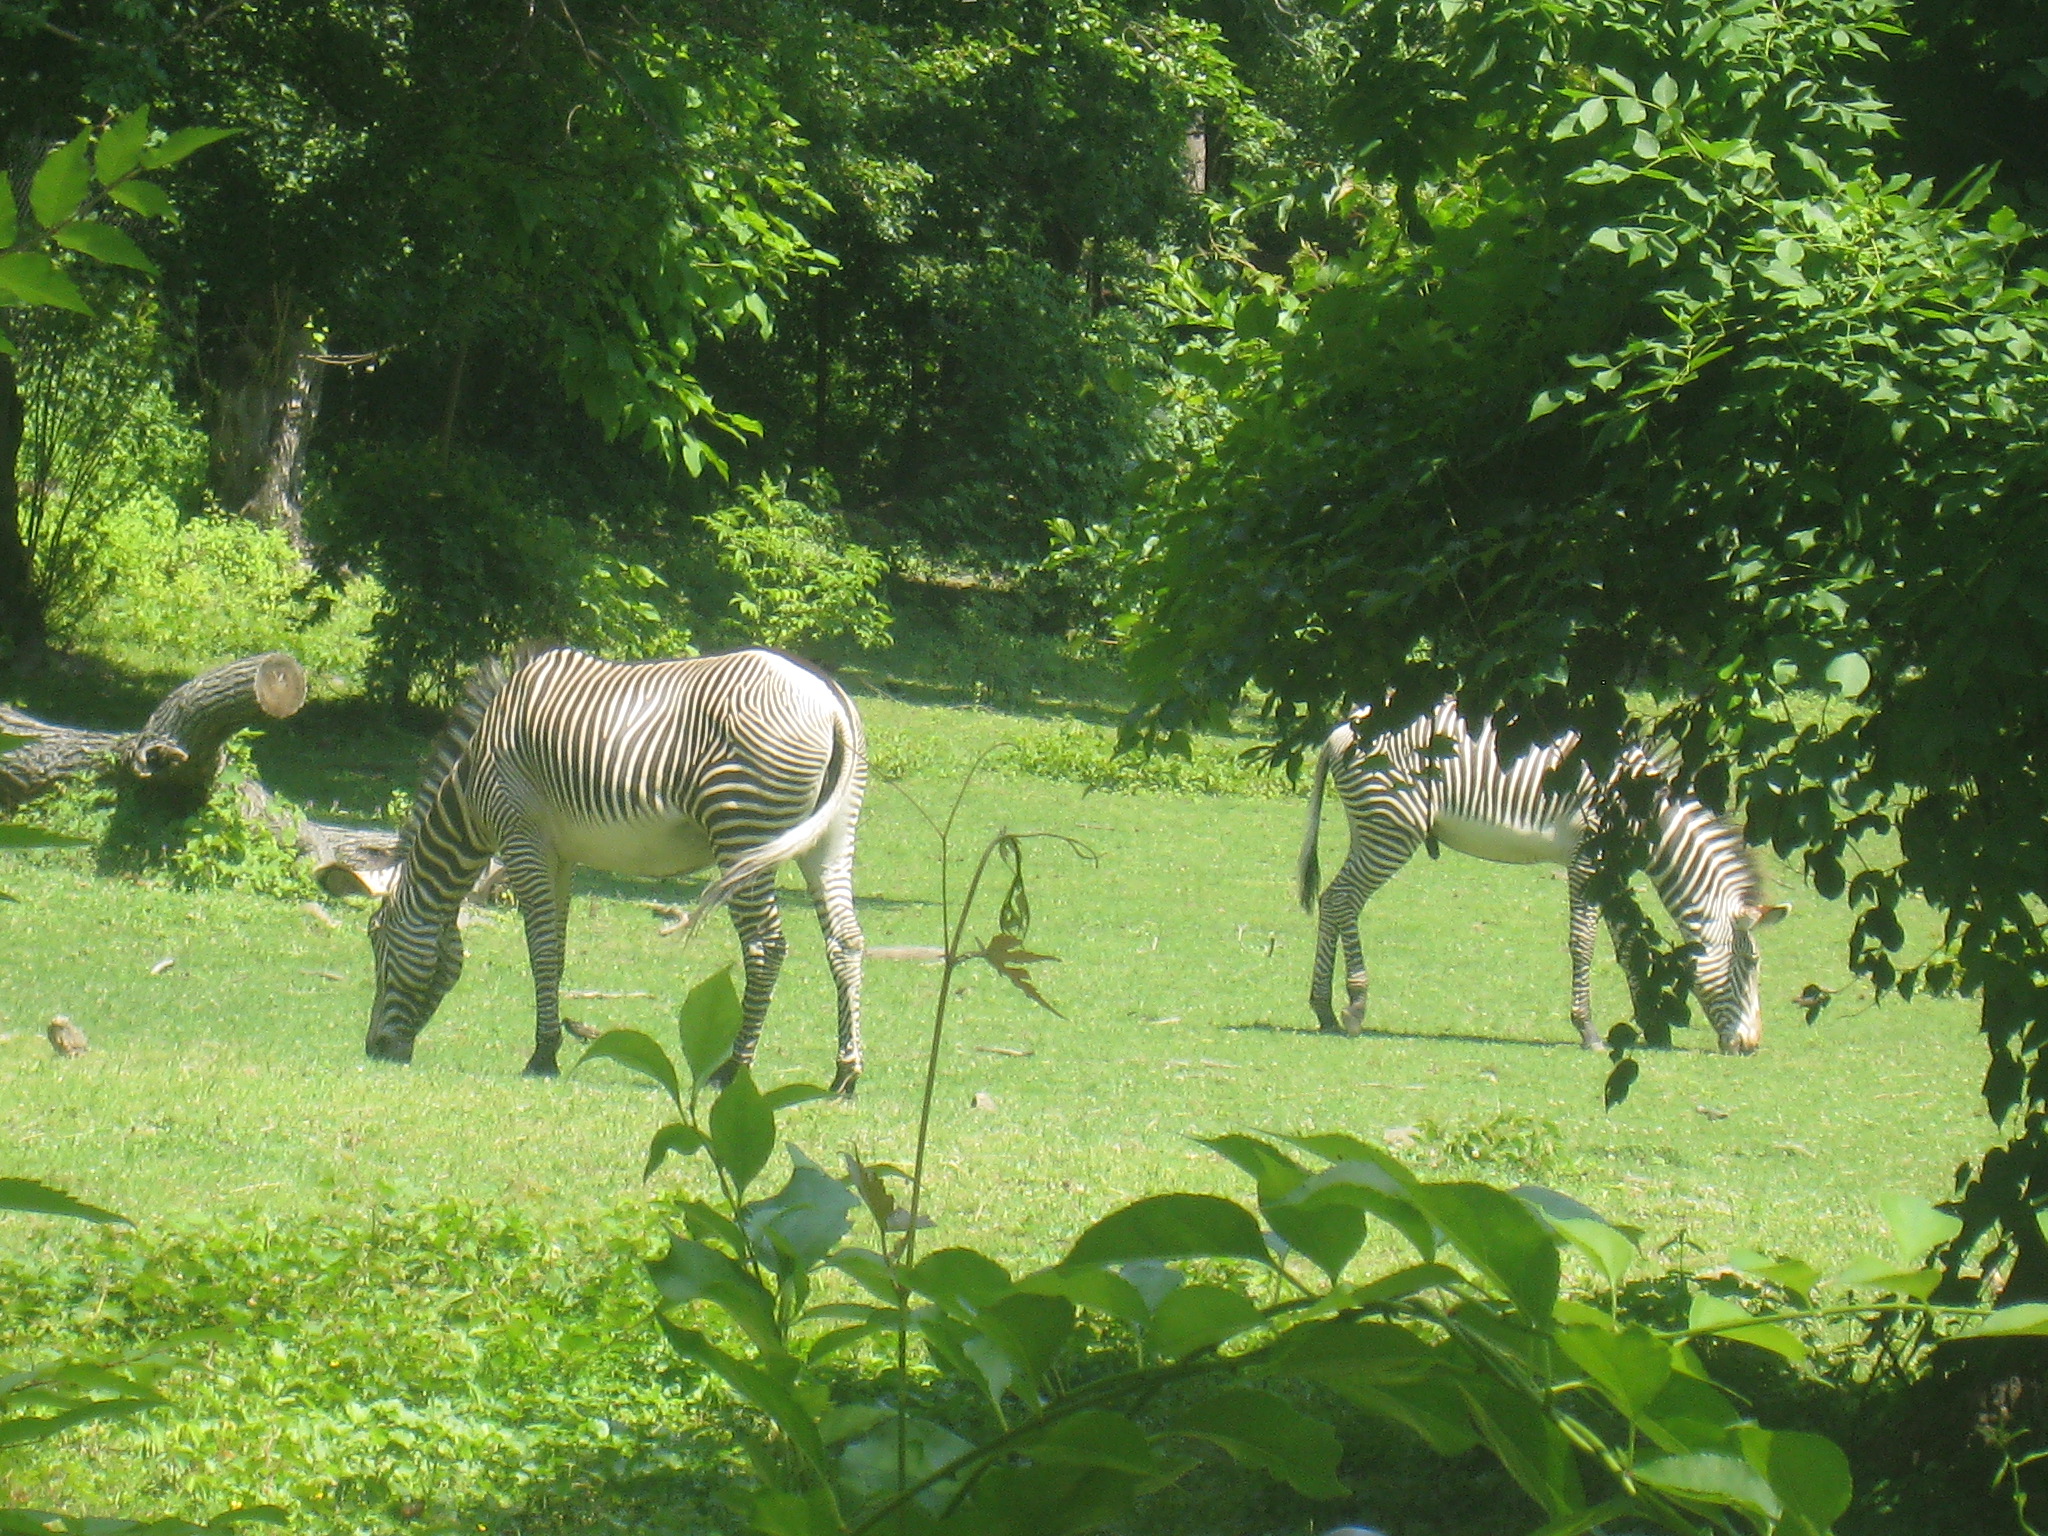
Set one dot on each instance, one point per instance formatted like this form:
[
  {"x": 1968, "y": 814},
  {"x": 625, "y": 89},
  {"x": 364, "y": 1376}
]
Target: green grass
[{"x": 228, "y": 1096}]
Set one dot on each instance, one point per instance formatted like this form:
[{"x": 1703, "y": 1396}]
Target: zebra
[
  {"x": 748, "y": 759},
  {"x": 1438, "y": 780}
]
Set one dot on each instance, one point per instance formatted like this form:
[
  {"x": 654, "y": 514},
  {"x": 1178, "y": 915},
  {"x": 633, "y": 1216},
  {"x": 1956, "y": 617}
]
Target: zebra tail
[
  {"x": 1309, "y": 872},
  {"x": 799, "y": 839}
]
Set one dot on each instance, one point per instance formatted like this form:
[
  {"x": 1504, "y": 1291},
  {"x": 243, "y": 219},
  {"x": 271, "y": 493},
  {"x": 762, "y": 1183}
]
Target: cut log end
[
  {"x": 341, "y": 880},
  {"x": 280, "y": 685}
]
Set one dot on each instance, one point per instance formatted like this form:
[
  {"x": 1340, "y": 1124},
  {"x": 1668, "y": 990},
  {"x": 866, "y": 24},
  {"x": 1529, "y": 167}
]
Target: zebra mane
[
  {"x": 1715, "y": 833},
  {"x": 484, "y": 685}
]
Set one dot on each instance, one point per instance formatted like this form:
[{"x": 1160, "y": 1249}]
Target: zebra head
[
  {"x": 418, "y": 958},
  {"x": 1725, "y": 973}
]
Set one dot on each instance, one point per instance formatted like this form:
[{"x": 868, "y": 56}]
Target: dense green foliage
[{"x": 1682, "y": 391}]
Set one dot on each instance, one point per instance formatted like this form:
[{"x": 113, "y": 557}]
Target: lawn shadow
[
  {"x": 684, "y": 891},
  {"x": 1266, "y": 1027}
]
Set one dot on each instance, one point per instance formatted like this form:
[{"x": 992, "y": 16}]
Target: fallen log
[{"x": 171, "y": 763}]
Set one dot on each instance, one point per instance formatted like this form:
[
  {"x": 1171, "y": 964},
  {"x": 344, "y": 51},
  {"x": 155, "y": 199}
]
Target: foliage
[
  {"x": 1679, "y": 391},
  {"x": 798, "y": 578},
  {"x": 50, "y": 1397}
]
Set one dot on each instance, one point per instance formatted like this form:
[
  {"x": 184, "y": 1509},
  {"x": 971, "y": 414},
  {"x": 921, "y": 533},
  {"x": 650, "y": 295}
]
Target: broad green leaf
[
  {"x": 19, "y": 834},
  {"x": 2027, "y": 1317},
  {"x": 1795, "y": 1275},
  {"x": 61, "y": 182},
  {"x": 105, "y": 243},
  {"x": 871, "y": 1464},
  {"x": 629, "y": 1048},
  {"x": 1030, "y": 1330},
  {"x": 1808, "y": 1472},
  {"x": 870, "y": 1269},
  {"x": 961, "y": 1280},
  {"x": 1196, "y": 1316},
  {"x": 1403, "y": 1283},
  {"x": 1712, "y": 1478},
  {"x": 143, "y": 197},
  {"x": 1630, "y": 1365},
  {"x": 1278, "y": 1175},
  {"x": 742, "y": 1130},
  {"x": 792, "y": 1094},
  {"x": 37, "y": 1199},
  {"x": 1265, "y": 1431},
  {"x": 30, "y": 277},
  {"x": 1328, "y": 1226},
  {"x": 1099, "y": 1290},
  {"x": 1917, "y": 1228},
  {"x": 1503, "y": 1238},
  {"x": 119, "y": 149},
  {"x": 1336, "y": 1147},
  {"x": 691, "y": 1271},
  {"x": 1527, "y": 1440},
  {"x": 709, "y": 1023},
  {"x": 1096, "y": 1437},
  {"x": 1175, "y": 1226},
  {"x": 1850, "y": 674},
  {"x": 1612, "y": 1254},
  {"x": 794, "y": 1228},
  {"x": 1725, "y": 1319},
  {"x": 177, "y": 146},
  {"x": 707, "y": 1225},
  {"x": 1592, "y": 113},
  {"x": 1884, "y": 1275},
  {"x": 676, "y": 1138}
]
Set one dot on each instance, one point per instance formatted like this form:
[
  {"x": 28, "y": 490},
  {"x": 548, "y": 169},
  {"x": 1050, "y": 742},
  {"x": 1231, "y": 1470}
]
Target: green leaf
[
  {"x": 1196, "y": 1316},
  {"x": 708, "y": 1024},
  {"x": 1711, "y": 1478},
  {"x": 1328, "y": 1226},
  {"x": 33, "y": 278},
  {"x": 1099, "y": 1290},
  {"x": 1174, "y": 1226},
  {"x": 1612, "y": 1253},
  {"x": 791, "y": 1094},
  {"x": 1337, "y": 1148},
  {"x": 2027, "y": 1317},
  {"x": 1884, "y": 1275},
  {"x": 177, "y": 146},
  {"x": 630, "y": 1048},
  {"x": 61, "y": 182},
  {"x": 1265, "y": 1431},
  {"x": 1795, "y": 1275},
  {"x": 793, "y": 1229},
  {"x": 1808, "y": 1472},
  {"x": 1630, "y": 1365},
  {"x": 1503, "y": 1238},
  {"x": 19, "y": 834},
  {"x": 143, "y": 197},
  {"x": 1917, "y": 1228},
  {"x": 1278, "y": 1175},
  {"x": 676, "y": 1138},
  {"x": 1030, "y": 1330},
  {"x": 1592, "y": 113},
  {"x": 961, "y": 1280},
  {"x": 742, "y": 1130},
  {"x": 1850, "y": 674},
  {"x": 692, "y": 1271},
  {"x": 36, "y": 1199},
  {"x": 1527, "y": 1440},
  {"x": 103, "y": 242},
  {"x": 1724, "y": 1319},
  {"x": 119, "y": 149},
  {"x": 9, "y": 214},
  {"x": 1664, "y": 92}
]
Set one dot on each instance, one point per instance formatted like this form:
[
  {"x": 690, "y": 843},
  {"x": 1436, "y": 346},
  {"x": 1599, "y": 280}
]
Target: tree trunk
[
  {"x": 172, "y": 761},
  {"x": 22, "y": 630},
  {"x": 264, "y": 405}
]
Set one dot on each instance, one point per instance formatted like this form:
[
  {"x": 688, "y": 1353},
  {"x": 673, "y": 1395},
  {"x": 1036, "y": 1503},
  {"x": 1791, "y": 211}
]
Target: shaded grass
[{"x": 227, "y": 1098}]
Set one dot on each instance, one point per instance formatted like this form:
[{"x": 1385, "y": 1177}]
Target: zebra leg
[
  {"x": 1585, "y": 918},
  {"x": 757, "y": 918},
  {"x": 1376, "y": 856},
  {"x": 829, "y": 873},
  {"x": 541, "y": 883}
]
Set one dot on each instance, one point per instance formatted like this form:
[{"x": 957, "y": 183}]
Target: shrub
[{"x": 795, "y": 577}]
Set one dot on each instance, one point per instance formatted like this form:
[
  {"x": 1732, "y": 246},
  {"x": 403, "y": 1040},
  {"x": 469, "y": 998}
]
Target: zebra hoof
[
  {"x": 542, "y": 1065},
  {"x": 721, "y": 1080},
  {"x": 388, "y": 1048},
  {"x": 1352, "y": 1025},
  {"x": 845, "y": 1080}
]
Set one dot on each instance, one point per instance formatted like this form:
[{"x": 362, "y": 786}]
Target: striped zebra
[
  {"x": 1437, "y": 780},
  {"x": 748, "y": 759}
]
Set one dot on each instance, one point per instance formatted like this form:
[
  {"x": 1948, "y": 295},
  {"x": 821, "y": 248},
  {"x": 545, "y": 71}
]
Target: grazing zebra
[
  {"x": 749, "y": 759},
  {"x": 1437, "y": 780}
]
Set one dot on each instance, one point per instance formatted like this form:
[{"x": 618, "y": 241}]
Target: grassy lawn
[{"x": 227, "y": 1094}]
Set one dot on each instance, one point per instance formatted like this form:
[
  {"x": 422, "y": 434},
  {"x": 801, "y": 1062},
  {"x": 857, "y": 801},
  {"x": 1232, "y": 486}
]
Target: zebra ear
[{"x": 1761, "y": 916}]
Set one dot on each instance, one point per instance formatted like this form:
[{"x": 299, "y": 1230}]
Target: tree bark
[
  {"x": 21, "y": 606},
  {"x": 173, "y": 760},
  {"x": 263, "y": 408}
]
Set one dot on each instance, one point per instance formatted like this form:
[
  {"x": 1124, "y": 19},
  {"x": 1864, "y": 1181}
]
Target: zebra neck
[{"x": 1698, "y": 864}]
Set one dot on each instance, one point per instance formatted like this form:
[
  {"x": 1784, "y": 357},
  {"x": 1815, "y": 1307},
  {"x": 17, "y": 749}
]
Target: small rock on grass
[{"x": 984, "y": 1101}]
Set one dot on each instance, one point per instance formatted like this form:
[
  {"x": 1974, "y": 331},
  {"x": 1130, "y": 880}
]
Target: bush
[{"x": 795, "y": 576}]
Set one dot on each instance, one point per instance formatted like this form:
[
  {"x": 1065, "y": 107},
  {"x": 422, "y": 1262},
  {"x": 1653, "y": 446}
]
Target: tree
[{"x": 1679, "y": 392}]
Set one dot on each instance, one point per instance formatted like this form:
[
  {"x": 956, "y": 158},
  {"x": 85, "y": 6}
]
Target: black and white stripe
[
  {"x": 749, "y": 759},
  {"x": 1439, "y": 780}
]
